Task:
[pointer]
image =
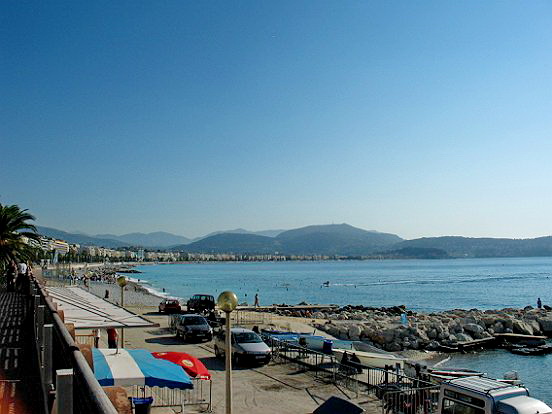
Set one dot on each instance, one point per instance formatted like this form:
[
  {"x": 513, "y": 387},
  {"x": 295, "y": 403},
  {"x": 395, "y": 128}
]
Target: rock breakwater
[{"x": 386, "y": 328}]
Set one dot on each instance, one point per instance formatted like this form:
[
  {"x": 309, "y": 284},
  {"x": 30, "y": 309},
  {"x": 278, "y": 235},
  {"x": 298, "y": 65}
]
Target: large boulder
[
  {"x": 521, "y": 327},
  {"x": 545, "y": 323},
  {"x": 462, "y": 337},
  {"x": 354, "y": 332},
  {"x": 473, "y": 329},
  {"x": 393, "y": 347}
]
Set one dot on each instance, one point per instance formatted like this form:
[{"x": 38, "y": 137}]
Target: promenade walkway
[{"x": 20, "y": 390}]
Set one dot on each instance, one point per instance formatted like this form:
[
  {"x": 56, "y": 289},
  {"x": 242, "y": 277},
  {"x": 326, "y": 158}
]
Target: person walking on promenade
[
  {"x": 11, "y": 276},
  {"x": 111, "y": 338},
  {"x": 21, "y": 275},
  {"x": 539, "y": 303},
  {"x": 257, "y": 300}
]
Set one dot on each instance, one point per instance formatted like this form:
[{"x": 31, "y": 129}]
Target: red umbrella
[{"x": 193, "y": 366}]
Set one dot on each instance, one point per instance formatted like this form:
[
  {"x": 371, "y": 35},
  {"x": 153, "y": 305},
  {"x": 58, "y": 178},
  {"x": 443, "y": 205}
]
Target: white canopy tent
[{"x": 87, "y": 311}]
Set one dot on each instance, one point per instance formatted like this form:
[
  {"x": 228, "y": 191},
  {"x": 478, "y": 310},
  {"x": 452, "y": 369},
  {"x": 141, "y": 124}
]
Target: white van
[{"x": 477, "y": 395}]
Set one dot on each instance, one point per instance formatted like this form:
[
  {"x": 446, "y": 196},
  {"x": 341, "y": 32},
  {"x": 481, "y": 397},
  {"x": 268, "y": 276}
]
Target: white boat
[
  {"x": 371, "y": 359},
  {"x": 316, "y": 343}
]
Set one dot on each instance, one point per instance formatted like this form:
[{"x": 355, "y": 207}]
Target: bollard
[
  {"x": 64, "y": 391},
  {"x": 47, "y": 362}
]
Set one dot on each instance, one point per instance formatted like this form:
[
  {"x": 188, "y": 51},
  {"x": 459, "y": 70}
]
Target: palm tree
[{"x": 14, "y": 228}]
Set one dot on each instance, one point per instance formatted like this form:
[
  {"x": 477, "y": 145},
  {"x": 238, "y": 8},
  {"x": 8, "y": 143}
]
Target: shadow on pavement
[
  {"x": 215, "y": 364},
  {"x": 165, "y": 340},
  {"x": 160, "y": 331}
]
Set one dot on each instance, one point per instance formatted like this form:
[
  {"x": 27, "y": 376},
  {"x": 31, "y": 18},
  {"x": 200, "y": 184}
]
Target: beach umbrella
[
  {"x": 127, "y": 367},
  {"x": 193, "y": 366}
]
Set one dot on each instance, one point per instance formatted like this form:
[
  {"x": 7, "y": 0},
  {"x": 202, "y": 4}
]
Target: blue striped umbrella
[{"x": 129, "y": 367}]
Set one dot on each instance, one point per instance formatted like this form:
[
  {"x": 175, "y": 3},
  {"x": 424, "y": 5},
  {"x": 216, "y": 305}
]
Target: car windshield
[
  {"x": 247, "y": 338},
  {"x": 195, "y": 320}
]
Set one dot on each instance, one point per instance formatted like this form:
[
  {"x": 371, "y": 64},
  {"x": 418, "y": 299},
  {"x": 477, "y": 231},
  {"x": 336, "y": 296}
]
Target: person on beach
[
  {"x": 112, "y": 338},
  {"x": 539, "y": 303},
  {"x": 256, "y": 300}
]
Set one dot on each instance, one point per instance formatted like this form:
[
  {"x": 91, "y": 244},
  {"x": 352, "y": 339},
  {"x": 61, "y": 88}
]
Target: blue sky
[{"x": 417, "y": 118}]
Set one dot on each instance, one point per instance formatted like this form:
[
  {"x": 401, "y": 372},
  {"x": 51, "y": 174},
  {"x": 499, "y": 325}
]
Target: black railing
[{"x": 398, "y": 393}]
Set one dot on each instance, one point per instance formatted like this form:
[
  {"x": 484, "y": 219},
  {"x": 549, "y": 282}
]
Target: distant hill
[
  {"x": 79, "y": 238},
  {"x": 415, "y": 253},
  {"x": 457, "y": 246},
  {"x": 268, "y": 233},
  {"x": 237, "y": 243},
  {"x": 159, "y": 239},
  {"x": 333, "y": 239}
]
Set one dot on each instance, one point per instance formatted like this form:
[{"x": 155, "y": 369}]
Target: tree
[{"x": 14, "y": 228}]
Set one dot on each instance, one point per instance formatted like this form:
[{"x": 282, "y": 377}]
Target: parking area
[{"x": 271, "y": 388}]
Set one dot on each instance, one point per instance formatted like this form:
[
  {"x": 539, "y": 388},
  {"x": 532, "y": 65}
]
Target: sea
[{"x": 420, "y": 285}]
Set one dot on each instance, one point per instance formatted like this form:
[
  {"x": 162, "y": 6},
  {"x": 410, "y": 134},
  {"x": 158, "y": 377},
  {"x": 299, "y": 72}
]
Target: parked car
[
  {"x": 201, "y": 303},
  {"x": 247, "y": 346},
  {"x": 193, "y": 327},
  {"x": 170, "y": 306}
]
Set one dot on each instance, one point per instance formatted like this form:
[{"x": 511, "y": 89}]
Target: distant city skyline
[{"x": 418, "y": 119}]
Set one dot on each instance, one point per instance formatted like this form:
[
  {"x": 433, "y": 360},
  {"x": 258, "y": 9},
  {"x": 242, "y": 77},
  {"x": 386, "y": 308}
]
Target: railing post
[
  {"x": 47, "y": 363},
  {"x": 40, "y": 324},
  {"x": 64, "y": 391},
  {"x": 36, "y": 302}
]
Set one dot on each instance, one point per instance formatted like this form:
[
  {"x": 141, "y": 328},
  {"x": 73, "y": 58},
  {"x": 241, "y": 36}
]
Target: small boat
[
  {"x": 538, "y": 350},
  {"x": 326, "y": 283},
  {"x": 456, "y": 372},
  {"x": 372, "y": 359}
]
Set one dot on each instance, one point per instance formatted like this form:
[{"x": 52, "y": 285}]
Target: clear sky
[{"x": 416, "y": 118}]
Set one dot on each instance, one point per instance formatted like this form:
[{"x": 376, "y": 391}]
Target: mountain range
[{"x": 332, "y": 239}]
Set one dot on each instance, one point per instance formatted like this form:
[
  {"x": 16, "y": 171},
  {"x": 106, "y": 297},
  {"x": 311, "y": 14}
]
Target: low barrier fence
[
  {"x": 85, "y": 339},
  {"x": 67, "y": 380},
  {"x": 250, "y": 318},
  {"x": 398, "y": 393},
  {"x": 198, "y": 397}
]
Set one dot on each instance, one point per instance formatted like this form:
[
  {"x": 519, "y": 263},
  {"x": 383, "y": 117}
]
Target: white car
[{"x": 247, "y": 346}]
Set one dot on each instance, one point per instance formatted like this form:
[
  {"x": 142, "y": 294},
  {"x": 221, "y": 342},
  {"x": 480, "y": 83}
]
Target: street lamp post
[
  {"x": 121, "y": 281},
  {"x": 227, "y": 301}
]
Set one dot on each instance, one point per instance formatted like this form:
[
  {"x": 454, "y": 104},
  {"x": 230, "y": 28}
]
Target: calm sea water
[{"x": 422, "y": 285}]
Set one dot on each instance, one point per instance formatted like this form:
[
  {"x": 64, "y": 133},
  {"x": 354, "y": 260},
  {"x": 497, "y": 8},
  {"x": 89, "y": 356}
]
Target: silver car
[{"x": 247, "y": 346}]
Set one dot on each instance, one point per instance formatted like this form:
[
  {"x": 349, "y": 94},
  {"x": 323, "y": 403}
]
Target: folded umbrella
[
  {"x": 127, "y": 367},
  {"x": 193, "y": 366}
]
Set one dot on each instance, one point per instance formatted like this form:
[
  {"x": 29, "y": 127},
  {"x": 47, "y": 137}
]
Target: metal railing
[
  {"x": 410, "y": 401},
  {"x": 67, "y": 379},
  {"x": 85, "y": 339},
  {"x": 396, "y": 391},
  {"x": 250, "y": 318},
  {"x": 199, "y": 396}
]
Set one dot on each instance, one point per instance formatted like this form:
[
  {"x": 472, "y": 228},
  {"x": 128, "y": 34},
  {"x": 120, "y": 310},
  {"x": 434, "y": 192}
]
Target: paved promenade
[{"x": 20, "y": 390}]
